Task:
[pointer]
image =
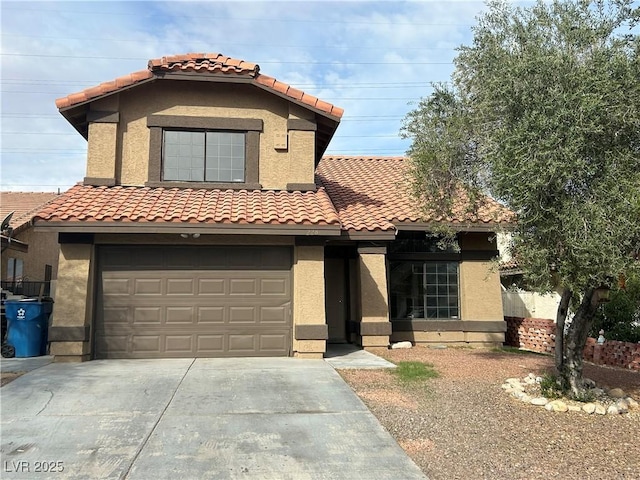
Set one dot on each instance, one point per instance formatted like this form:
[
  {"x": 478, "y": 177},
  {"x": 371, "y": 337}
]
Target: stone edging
[{"x": 612, "y": 402}]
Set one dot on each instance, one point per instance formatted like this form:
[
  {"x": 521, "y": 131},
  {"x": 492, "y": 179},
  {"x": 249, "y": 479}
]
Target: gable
[{"x": 194, "y": 98}]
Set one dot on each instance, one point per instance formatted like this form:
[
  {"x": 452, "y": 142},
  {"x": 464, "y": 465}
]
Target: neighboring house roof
[
  {"x": 84, "y": 204},
  {"x": 370, "y": 194},
  {"x": 24, "y": 205},
  {"x": 201, "y": 63}
]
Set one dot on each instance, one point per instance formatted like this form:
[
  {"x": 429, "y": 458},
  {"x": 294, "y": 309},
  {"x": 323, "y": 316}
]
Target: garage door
[{"x": 162, "y": 302}]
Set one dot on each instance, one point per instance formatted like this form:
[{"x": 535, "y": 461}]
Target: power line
[
  {"x": 234, "y": 44},
  {"x": 271, "y": 62},
  {"x": 241, "y": 19},
  {"x": 359, "y": 86},
  {"x": 335, "y": 99}
]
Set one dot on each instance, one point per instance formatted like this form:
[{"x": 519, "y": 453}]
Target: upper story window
[
  {"x": 206, "y": 156},
  {"x": 204, "y": 152}
]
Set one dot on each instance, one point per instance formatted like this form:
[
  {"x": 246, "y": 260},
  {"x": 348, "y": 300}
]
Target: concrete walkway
[
  {"x": 345, "y": 355},
  {"x": 249, "y": 418},
  {"x": 15, "y": 365}
]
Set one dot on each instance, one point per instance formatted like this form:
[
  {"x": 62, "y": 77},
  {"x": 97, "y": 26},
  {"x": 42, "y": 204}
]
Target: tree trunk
[
  {"x": 575, "y": 340},
  {"x": 561, "y": 316}
]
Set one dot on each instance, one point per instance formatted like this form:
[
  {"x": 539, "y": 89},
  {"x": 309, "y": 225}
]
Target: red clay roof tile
[
  {"x": 204, "y": 63},
  {"x": 369, "y": 194},
  {"x": 24, "y": 205},
  {"x": 158, "y": 205}
]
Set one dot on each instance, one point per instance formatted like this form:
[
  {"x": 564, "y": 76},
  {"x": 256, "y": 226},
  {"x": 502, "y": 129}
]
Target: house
[
  {"x": 209, "y": 224},
  {"x": 29, "y": 258}
]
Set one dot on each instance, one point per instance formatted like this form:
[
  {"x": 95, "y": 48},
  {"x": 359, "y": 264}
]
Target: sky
[{"x": 374, "y": 59}]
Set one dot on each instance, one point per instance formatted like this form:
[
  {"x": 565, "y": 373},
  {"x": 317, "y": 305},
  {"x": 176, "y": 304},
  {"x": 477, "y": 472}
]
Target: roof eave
[
  {"x": 187, "y": 228},
  {"x": 82, "y": 107},
  {"x": 13, "y": 244},
  {"x": 458, "y": 227}
]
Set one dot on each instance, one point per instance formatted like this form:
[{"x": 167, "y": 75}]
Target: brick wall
[
  {"x": 535, "y": 334},
  {"x": 538, "y": 335}
]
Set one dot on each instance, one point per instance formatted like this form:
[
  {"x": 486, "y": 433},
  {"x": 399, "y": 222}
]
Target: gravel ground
[{"x": 463, "y": 426}]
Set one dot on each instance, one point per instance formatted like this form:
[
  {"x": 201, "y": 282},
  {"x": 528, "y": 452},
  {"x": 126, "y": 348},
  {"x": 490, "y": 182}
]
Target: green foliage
[
  {"x": 620, "y": 317},
  {"x": 412, "y": 371},
  {"x": 543, "y": 113},
  {"x": 551, "y": 386}
]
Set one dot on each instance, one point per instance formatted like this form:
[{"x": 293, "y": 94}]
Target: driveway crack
[
  {"x": 125, "y": 474},
  {"x": 46, "y": 404}
]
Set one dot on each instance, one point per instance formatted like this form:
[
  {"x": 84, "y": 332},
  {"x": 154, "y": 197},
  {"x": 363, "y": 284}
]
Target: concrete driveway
[{"x": 249, "y": 418}]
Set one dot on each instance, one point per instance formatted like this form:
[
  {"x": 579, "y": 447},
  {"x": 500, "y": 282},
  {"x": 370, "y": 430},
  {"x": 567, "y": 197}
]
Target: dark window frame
[
  {"x": 252, "y": 128},
  {"x": 421, "y": 306},
  {"x": 204, "y": 157}
]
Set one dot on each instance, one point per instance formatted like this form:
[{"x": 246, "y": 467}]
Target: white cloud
[{"x": 371, "y": 58}]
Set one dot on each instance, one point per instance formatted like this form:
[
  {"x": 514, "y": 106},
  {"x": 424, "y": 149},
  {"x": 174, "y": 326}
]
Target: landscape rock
[
  {"x": 401, "y": 345},
  {"x": 617, "y": 393},
  {"x": 622, "y": 405},
  {"x": 524, "y": 390},
  {"x": 515, "y": 388},
  {"x": 558, "y": 406},
  {"x": 632, "y": 403}
]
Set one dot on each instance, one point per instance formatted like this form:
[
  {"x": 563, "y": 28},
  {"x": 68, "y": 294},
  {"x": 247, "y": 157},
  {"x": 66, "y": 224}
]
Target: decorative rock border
[{"x": 611, "y": 402}]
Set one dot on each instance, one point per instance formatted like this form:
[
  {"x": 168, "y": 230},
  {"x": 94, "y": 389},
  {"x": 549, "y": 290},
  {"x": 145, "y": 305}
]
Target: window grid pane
[
  {"x": 203, "y": 156},
  {"x": 225, "y": 157},
  {"x": 424, "y": 289},
  {"x": 184, "y": 156}
]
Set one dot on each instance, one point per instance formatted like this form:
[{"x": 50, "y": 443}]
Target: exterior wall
[
  {"x": 202, "y": 99},
  {"x": 374, "y": 325},
  {"x": 301, "y": 147},
  {"x": 101, "y": 150},
  {"x": 481, "y": 320},
  {"x": 72, "y": 311},
  {"x": 530, "y": 304},
  {"x": 43, "y": 250},
  {"x": 308, "y": 302},
  {"x": 480, "y": 292}
]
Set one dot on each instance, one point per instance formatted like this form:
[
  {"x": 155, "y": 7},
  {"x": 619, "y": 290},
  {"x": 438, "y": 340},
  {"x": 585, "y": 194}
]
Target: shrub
[{"x": 620, "y": 317}]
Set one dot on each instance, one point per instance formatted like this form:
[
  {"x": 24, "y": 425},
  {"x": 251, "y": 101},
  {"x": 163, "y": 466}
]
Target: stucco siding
[
  {"x": 200, "y": 99},
  {"x": 101, "y": 150},
  {"x": 74, "y": 299},
  {"x": 43, "y": 250},
  {"x": 308, "y": 295},
  {"x": 480, "y": 294}
]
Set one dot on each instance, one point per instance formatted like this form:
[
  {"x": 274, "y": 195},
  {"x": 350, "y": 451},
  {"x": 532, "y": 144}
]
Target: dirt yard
[{"x": 462, "y": 425}]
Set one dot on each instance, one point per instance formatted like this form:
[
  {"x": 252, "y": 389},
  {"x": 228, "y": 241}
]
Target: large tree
[{"x": 543, "y": 113}]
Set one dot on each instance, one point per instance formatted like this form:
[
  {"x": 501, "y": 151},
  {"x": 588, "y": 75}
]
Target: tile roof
[
  {"x": 83, "y": 203},
  {"x": 24, "y": 205},
  {"x": 203, "y": 63},
  {"x": 369, "y": 195}
]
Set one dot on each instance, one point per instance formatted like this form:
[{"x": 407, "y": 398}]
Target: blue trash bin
[{"x": 28, "y": 326}]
